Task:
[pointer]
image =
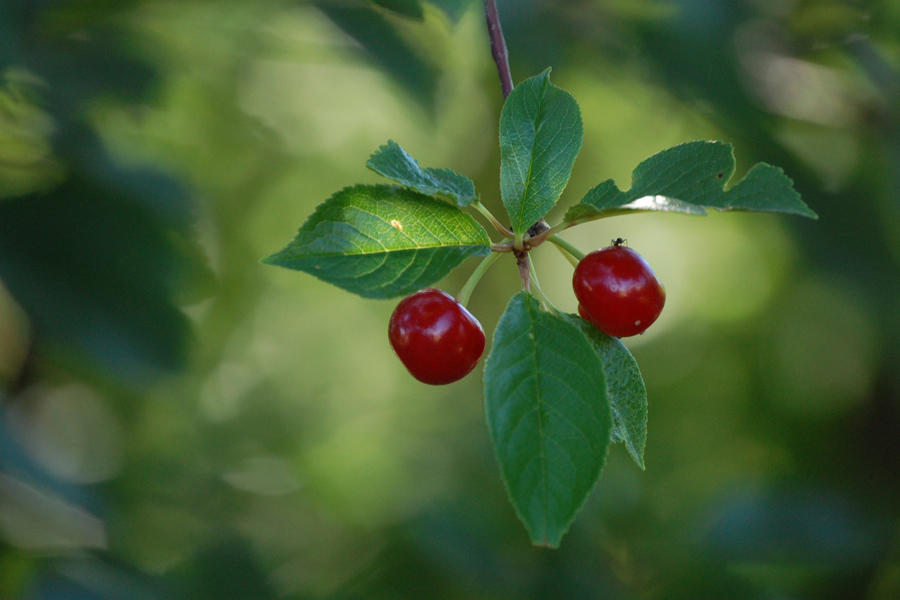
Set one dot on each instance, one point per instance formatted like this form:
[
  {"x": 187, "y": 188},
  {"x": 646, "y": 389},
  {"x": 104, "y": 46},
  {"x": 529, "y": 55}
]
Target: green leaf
[
  {"x": 94, "y": 270},
  {"x": 625, "y": 386},
  {"x": 689, "y": 178},
  {"x": 454, "y": 9},
  {"x": 548, "y": 414},
  {"x": 384, "y": 45},
  {"x": 381, "y": 241},
  {"x": 540, "y": 136},
  {"x": 404, "y": 8},
  {"x": 393, "y": 162}
]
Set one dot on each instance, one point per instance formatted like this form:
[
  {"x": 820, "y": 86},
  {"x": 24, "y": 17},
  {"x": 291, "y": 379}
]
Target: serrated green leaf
[
  {"x": 540, "y": 136},
  {"x": 393, "y": 162},
  {"x": 689, "y": 178},
  {"x": 381, "y": 241},
  {"x": 625, "y": 386},
  {"x": 548, "y": 415}
]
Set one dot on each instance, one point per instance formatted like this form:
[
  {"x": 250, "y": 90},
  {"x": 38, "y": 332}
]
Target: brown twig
[
  {"x": 498, "y": 46},
  {"x": 524, "y": 269}
]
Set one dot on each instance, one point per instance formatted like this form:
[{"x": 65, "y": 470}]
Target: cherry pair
[{"x": 440, "y": 342}]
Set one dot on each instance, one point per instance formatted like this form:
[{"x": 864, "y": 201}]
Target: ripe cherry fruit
[
  {"x": 435, "y": 337},
  {"x": 617, "y": 291}
]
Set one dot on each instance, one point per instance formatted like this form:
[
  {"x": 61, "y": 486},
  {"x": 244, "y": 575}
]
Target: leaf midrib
[
  {"x": 392, "y": 250},
  {"x": 545, "y": 493},
  {"x": 537, "y": 120}
]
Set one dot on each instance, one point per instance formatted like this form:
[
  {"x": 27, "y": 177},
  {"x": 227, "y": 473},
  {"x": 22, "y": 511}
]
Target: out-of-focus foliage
[
  {"x": 179, "y": 421},
  {"x": 26, "y": 163}
]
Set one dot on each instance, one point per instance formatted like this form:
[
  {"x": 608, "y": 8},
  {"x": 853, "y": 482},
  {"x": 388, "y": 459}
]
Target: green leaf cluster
[{"x": 557, "y": 391}]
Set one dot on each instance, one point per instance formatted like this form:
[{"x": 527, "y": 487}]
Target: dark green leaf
[
  {"x": 381, "y": 241},
  {"x": 393, "y": 162},
  {"x": 454, "y": 9},
  {"x": 688, "y": 178},
  {"x": 384, "y": 46},
  {"x": 625, "y": 386},
  {"x": 548, "y": 414},
  {"x": 93, "y": 268},
  {"x": 229, "y": 569},
  {"x": 406, "y": 8},
  {"x": 540, "y": 136}
]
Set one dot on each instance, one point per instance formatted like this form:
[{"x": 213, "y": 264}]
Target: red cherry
[
  {"x": 617, "y": 291},
  {"x": 435, "y": 337}
]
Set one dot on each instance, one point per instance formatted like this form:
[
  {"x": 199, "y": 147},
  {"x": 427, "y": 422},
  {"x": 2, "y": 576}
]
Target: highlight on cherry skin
[
  {"x": 617, "y": 291},
  {"x": 435, "y": 337}
]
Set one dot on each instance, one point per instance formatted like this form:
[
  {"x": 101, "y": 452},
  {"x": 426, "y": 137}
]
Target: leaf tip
[
  {"x": 270, "y": 259},
  {"x": 389, "y": 146}
]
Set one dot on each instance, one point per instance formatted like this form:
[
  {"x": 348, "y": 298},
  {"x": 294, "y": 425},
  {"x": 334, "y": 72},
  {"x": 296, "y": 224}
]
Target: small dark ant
[{"x": 619, "y": 242}]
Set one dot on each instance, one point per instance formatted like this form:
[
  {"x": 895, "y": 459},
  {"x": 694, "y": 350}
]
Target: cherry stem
[
  {"x": 477, "y": 205},
  {"x": 463, "y": 296},
  {"x": 537, "y": 287},
  {"x": 498, "y": 46},
  {"x": 572, "y": 260},
  {"x": 569, "y": 248}
]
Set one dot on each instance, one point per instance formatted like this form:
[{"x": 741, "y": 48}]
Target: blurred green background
[{"x": 179, "y": 421}]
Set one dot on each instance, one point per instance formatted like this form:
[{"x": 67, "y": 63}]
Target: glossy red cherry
[
  {"x": 435, "y": 337},
  {"x": 617, "y": 291}
]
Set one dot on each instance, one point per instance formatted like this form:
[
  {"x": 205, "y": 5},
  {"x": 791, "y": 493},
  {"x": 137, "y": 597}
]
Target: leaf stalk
[{"x": 477, "y": 205}]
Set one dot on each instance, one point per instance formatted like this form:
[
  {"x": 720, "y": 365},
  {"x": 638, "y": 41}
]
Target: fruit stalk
[
  {"x": 480, "y": 270},
  {"x": 568, "y": 248}
]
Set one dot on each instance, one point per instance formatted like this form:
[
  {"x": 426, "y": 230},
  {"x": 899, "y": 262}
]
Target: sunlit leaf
[
  {"x": 689, "y": 178},
  {"x": 548, "y": 414},
  {"x": 393, "y": 162},
  {"x": 540, "y": 136},
  {"x": 27, "y": 161},
  {"x": 625, "y": 386},
  {"x": 381, "y": 241}
]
